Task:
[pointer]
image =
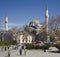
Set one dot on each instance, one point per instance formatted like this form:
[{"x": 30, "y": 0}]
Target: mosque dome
[{"x": 35, "y": 24}]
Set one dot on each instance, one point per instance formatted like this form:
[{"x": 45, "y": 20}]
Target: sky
[{"x": 21, "y": 12}]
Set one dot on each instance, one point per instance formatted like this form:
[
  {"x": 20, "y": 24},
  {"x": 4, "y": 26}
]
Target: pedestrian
[
  {"x": 1, "y": 48},
  {"x": 22, "y": 47},
  {"x": 5, "y": 48},
  {"x": 20, "y": 51},
  {"x": 24, "y": 51},
  {"x": 9, "y": 53},
  {"x": 8, "y": 47},
  {"x": 17, "y": 46},
  {"x": 44, "y": 49}
]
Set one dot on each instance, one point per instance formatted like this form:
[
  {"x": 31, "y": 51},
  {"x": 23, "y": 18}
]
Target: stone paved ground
[{"x": 33, "y": 53}]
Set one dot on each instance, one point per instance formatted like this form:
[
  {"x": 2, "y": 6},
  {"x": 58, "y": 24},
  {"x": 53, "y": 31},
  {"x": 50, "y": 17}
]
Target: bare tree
[{"x": 54, "y": 26}]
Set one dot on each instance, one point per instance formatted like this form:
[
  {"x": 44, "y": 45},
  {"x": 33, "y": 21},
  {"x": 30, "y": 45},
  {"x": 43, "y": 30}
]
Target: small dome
[{"x": 35, "y": 21}]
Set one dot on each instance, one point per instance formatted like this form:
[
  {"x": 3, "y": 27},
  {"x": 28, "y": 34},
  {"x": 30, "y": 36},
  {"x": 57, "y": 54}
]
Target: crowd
[{"x": 21, "y": 48}]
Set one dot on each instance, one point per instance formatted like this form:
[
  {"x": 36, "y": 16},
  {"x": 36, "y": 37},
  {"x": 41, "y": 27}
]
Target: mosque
[
  {"x": 28, "y": 38},
  {"x": 34, "y": 25}
]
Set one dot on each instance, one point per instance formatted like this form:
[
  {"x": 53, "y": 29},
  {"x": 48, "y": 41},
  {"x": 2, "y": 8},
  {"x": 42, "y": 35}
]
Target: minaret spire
[
  {"x": 46, "y": 22},
  {"x": 6, "y": 23}
]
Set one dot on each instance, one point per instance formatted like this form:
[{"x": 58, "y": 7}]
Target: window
[
  {"x": 26, "y": 39},
  {"x": 29, "y": 40},
  {"x": 23, "y": 40}
]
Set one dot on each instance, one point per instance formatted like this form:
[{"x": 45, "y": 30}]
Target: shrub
[
  {"x": 57, "y": 45},
  {"x": 32, "y": 46},
  {"x": 37, "y": 47},
  {"x": 7, "y": 43},
  {"x": 29, "y": 46},
  {"x": 47, "y": 45}
]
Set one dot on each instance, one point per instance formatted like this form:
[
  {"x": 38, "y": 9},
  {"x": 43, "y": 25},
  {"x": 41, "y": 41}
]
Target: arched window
[
  {"x": 26, "y": 39},
  {"x": 22, "y": 40}
]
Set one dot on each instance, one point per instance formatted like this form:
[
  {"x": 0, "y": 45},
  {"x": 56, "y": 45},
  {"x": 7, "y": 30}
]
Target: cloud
[
  {"x": 11, "y": 25},
  {"x": 15, "y": 24}
]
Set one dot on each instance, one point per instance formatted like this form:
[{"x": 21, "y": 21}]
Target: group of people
[
  {"x": 22, "y": 50},
  {"x": 4, "y": 48}
]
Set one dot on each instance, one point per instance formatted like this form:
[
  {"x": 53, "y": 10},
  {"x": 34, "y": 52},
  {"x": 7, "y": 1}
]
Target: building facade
[{"x": 22, "y": 39}]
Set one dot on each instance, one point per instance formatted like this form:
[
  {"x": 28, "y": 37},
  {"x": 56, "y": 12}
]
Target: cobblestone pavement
[{"x": 32, "y": 53}]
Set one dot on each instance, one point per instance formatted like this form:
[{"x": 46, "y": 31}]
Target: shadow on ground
[{"x": 54, "y": 51}]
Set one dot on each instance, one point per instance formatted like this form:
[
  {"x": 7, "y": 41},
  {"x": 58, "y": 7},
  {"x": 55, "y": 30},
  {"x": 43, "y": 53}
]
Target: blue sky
[{"x": 21, "y": 12}]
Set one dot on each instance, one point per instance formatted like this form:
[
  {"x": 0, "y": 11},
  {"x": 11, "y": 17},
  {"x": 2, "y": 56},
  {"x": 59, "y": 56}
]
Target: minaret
[
  {"x": 46, "y": 23},
  {"x": 6, "y": 23}
]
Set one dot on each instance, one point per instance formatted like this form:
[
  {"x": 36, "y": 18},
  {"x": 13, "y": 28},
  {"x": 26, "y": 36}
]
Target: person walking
[
  {"x": 44, "y": 49},
  {"x": 20, "y": 51},
  {"x": 9, "y": 53},
  {"x": 24, "y": 51},
  {"x": 5, "y": 48}
]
